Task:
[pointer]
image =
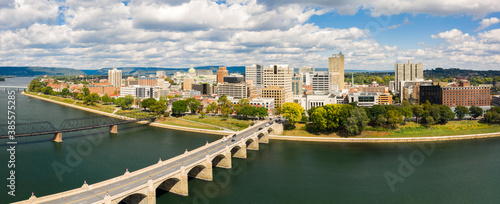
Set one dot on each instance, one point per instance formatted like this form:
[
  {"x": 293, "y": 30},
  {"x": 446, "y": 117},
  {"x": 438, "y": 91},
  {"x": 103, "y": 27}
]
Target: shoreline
[
  {"x": 296, "y": 138},
  {"x": 212, "y": 132},
  {"x": 384, "y": 140}
]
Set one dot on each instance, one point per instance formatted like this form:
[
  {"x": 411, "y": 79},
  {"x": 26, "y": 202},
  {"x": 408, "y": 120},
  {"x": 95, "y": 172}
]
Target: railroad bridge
[
  {"x": 73, "y": 124},
  {"x": 170, "y": 175}
]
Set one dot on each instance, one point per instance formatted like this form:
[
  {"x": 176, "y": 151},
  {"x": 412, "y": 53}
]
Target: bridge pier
[
  {"x": 113, "y": 129},
  {"x": 264, "y": 138},
  {"x": 57, "y": 137},
  {"x": 151, "y": 199}
]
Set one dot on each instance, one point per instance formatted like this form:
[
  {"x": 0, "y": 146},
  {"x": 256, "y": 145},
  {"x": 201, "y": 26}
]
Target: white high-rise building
[
  {"x": 279, "y": 76},
  {"x": 255, "y": 73},
  {"x": 115, "y": 77},
  {"x": 408, "y": 72}
]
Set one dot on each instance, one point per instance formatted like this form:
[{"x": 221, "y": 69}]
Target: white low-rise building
[{"x": 317, "y": 100}]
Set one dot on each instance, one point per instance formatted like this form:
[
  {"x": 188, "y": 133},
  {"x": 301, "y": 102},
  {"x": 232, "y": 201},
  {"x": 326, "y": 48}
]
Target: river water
[{"x": 280, "y": 172}]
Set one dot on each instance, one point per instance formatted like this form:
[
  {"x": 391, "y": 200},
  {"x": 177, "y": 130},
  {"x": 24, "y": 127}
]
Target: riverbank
[
  {"x": 173, "y": 127},
  {"x": 382, "y": 140},
  {"x": 296, "y": 138}
]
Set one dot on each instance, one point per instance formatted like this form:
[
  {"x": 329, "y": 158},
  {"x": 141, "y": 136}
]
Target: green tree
[
  {"x": 127, "y": 101},
  {"x": 179, "y": 107},
  {"x": 247, "y": 110},
  {"x": 224, "y": 102},
  {"x": 475, "y": 111},
  {"x": 65, "y": 92},
  {"x": 394, "y": 117},
  {"x": 492, "y": 117},
  {"x": 461, "y": 111},
  {"x": 261, "y": 112},
  {"x": 243, "y": 102},
  {"x": 106, "y": 99},
  {"x": 193, "y": 104},
  {"x": 356, "y": 122},
  {"x": 46, "y": 90},
  {"x": 331, "y": 116},
  {"x": 318, "y": 117},
  {"x": 146, "y": 103},
  {"x": 226, "y": 112},
  {"x": 158, "y": 108},
  {"x": 202, "y": 114},
  {"x": 292, "y": 112},
  {"x": 446, "y": 114},
  {"x": 429, "y": 120},
  {"x": 85, "y": 91},
  {"x": 212, "y": 107},
  {"x": 417, "y": 111},
  {"x": 91, "y": 99},
  {"x": 407, "y": 113},
  {"x": 35, "y": 85},
  {"x": 380, "y": 121}
]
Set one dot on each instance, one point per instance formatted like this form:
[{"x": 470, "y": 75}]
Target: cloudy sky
[{"x": 373, "y": 34}]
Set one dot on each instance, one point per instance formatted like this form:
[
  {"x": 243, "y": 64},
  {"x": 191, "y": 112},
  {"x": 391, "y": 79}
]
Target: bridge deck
[{"x": 118, "y": 185}]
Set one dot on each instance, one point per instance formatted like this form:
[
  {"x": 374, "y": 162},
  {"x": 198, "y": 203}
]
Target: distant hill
[
  {"x": 145, "y": 71},
  {"x": 37, "y": 71}
]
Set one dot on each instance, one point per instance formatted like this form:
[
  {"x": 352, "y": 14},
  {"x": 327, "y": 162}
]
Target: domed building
[{"x": 192, "y": 72}]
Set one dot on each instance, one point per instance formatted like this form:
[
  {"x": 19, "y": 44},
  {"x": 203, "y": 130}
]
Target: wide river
[{"x": 465, "y": 171}]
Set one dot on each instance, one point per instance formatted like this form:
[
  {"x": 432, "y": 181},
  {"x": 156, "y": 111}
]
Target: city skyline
[{"x": 373, "y": 35}]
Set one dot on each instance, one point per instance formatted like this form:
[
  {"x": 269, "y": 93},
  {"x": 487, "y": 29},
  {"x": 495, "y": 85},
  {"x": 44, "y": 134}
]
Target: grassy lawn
[
  {"x": 99, "y": 107},
  {"x": 182, "y": 123},
  {"x": 231, "y": 123},
  {"x": 411, "y": 129}
]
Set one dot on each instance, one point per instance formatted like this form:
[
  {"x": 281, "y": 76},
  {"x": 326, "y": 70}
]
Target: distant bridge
[
  {"x": 71, "y": 125},
  {"x": 170, "y": 175}
]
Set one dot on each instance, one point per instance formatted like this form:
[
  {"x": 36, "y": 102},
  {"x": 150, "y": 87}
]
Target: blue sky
[{"x": 373, "y": 34}]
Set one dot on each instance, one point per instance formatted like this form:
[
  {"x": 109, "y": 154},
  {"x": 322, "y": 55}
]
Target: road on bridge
[{"x": 97, "y": 195}]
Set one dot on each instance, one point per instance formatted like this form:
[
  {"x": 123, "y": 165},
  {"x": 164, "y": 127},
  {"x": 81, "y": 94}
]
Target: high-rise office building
[
  {"x": 221, "y": 73},
  {"x": 408, "y": 72},
  {"x": 115, "y": 77},
  {"x": 255, "y": 73},
  {"x": 297, "y": 84},
  {"x": 236, "y": 90},
  {"x": 336, "y": 71},
  {"x": 320, "y": 81},
  {"x": 281, "y": 76}
]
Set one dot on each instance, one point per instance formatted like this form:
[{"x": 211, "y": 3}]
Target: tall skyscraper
[
  {"x": 320, "y": 81},
  {"x": 255, "y": 73},
  {"x": 408, "y": 72},
  {"x": 279, "y": 76},
  {"x": 115, "y": 77},
  {"x": 221, "y": 73},
  {"x": 336, "y": 70}
]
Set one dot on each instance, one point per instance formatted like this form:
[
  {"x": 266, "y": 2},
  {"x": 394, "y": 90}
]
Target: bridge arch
[
  {"x": 201, "y": 171},
  {"x": 221, "y": 160},
  {"x": 172, "y": 185},
  {"x": 252, "y": 144},
  {"x": 239, "y": 151},
  {"x": 263, "y": 137},
  {"x": 136, "y": 198},
  {"x": 269, "y": 130}
]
